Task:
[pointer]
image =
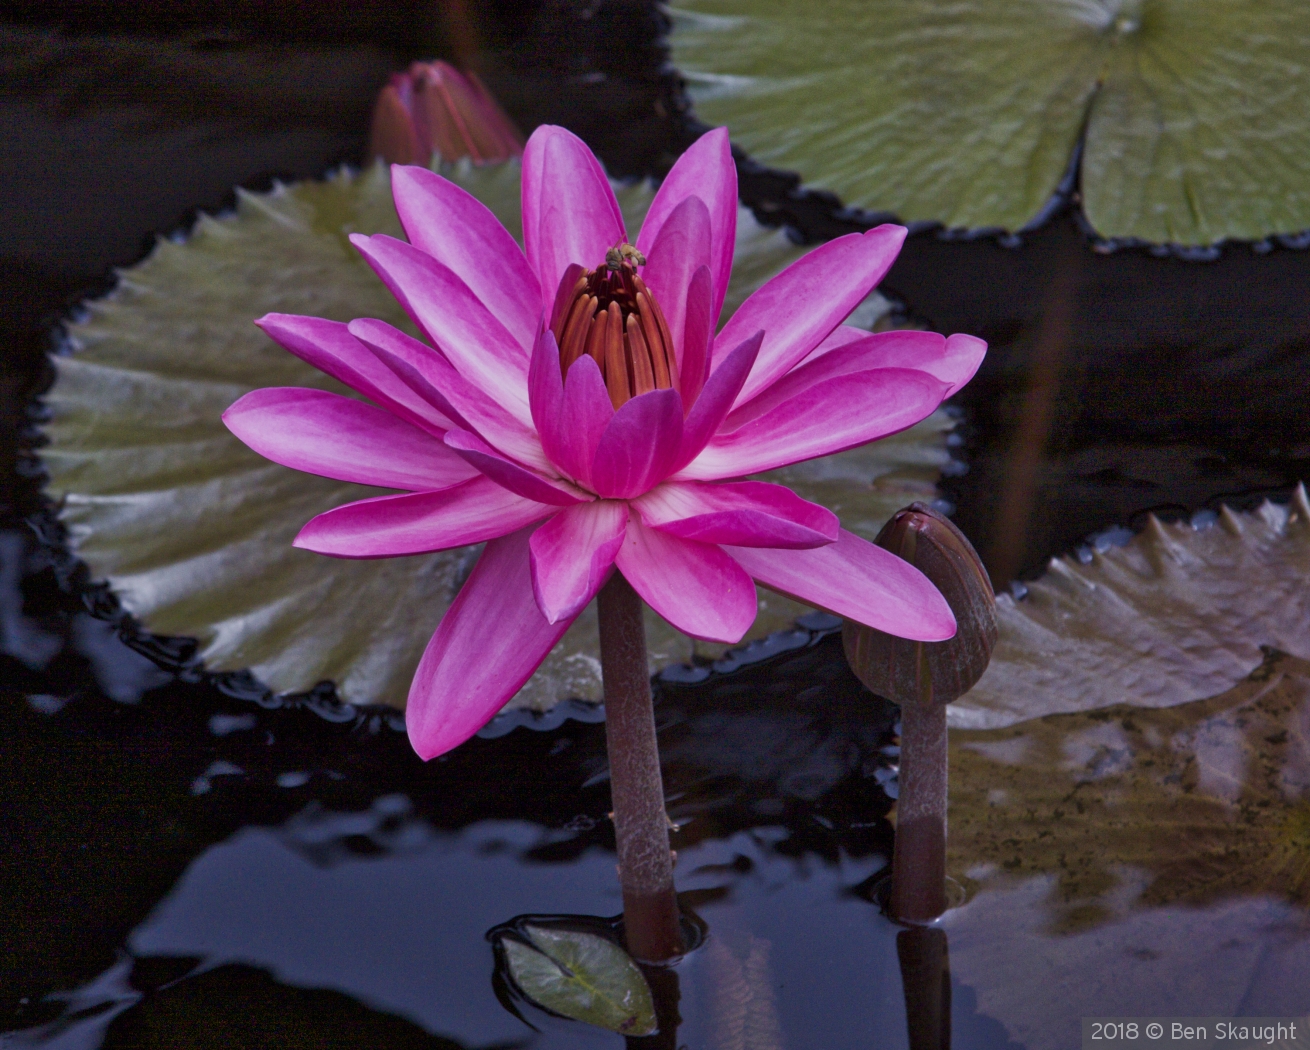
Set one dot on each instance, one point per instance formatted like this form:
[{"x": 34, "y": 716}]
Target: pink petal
[
  {"x": 639, "y": 447},
  {"x": 708, "y": 413},
  {"x": 829, "y": 417},
  {"x": 510, "y": 475},
  {"x": 803, "y": 304},
  {"x": 953, "y": 360},
  {"x": 921, "y": 351},
  {"x": 419, "y": 522},
  {"x": 858, "y": 580},
  {"x": 454, "y": 319},
  {"x": 418, "y": 366},
  {"x": 546, "y": 398},
  {"x": 569, "y": 211},
  {"x": 695, "y": 586},
  {"x": 429, "y": 372},
  {"x": 696, "y": 338},
  {"x": 331, "y": 349},
  {"x": 964, "y": 355},
  {"x": 572, "y": 555},
  {"x": 586, "y": 416},
  {"x": 747, "y": 513},
  {"x": 564, "y": 293},
  {"x": 460, "y": 232},
  {"x": 339, "y": 437},
  {"x": 838, "y": 337},
  {"x": 487, "y": 645},
  {"x": 707, "y": 171},
  {"x": 681, "y": 249}
]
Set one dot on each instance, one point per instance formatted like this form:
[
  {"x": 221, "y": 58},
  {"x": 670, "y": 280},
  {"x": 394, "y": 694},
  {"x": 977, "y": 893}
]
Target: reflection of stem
[
  {"x": 1019, "y": 492},
  {"x": 919, "y": 860},
  {"x": 926, "y": 977},
  {"x": 650, "y": 909},
  {"x": 664, "y": 990}
]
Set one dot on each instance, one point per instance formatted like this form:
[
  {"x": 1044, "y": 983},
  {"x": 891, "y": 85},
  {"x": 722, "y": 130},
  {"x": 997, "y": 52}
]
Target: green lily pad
[
  {"x": 967, "y": 112},
  {"x": 1177, "y": 614},
  {"x": 582, "y": 976},
  {"x": 193, "y": 531}
]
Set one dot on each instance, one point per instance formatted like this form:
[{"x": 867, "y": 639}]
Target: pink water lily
[{"x": 574, "y": 408}]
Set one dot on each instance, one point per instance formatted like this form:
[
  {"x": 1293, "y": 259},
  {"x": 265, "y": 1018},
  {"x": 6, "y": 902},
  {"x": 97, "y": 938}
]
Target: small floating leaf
[
  {"x": 582, "y": 976},
  {"x": 967, "y": 112},
  {"x": 193, "y": 531}
]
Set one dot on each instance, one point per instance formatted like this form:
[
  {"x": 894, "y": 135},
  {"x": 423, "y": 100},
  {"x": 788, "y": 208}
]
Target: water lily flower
[
  {"x": 574, "y": 409},
  {"x": 434, "y": 108}
]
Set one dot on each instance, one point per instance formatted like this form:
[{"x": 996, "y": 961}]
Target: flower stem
[
  {"x": 650, "y": 907},
  {"x": 919, "y": 861}
]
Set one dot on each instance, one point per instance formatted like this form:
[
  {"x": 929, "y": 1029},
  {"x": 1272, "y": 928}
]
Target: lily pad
[
  {"x": 1164, "y": 807},
  {"x": 1209, "y": 799},
  {"x": 1194, "y": 114},
  {"x": 1179, "y": 613},
  {"x": 193, "y": 531},
  {"x": 1136, "y": 857},
  {"x": 1147, "y": 727},
  {"x": 582, "y": 976}
]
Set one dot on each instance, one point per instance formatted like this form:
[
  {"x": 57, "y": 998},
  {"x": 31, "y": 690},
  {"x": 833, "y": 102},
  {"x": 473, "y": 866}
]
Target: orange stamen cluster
[{"x": 613, "y": 317}]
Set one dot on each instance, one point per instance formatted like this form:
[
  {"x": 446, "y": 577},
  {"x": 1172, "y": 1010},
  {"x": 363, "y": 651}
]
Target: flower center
[{"x": 613, "y": 317}]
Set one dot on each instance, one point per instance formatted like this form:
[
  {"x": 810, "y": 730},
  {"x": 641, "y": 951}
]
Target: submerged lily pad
[
  {"x": 582, "y": 976},
  {"x": 1146, "y": 735},
  {"x": 1177, "y": 614},
  {"x": 193, "y": 531},
  {"x": 1185, "y": 804},
  {"x": 1195, "y": 114}
]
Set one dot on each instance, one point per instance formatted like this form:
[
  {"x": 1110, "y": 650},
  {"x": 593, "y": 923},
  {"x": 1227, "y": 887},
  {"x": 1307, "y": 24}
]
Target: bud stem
[
  {"x": 650, "y": 907},
  {"x": 919, "y": 862},
  {"x": 926, "y": 979}
]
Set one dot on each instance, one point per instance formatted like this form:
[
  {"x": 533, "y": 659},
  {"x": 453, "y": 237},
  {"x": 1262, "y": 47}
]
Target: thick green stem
[
  {"x": 919, "y": 862},
  {"x": 650, "y": 907}
]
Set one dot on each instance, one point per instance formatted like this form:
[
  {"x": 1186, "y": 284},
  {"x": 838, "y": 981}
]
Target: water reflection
[
  {"x": 361, "y": 888},
  {"x": 926, "y": 976}
]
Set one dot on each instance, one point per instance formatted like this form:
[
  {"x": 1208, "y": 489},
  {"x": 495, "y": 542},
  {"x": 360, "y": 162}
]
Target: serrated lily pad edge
[
  {"x": 177, "y": 655},
  {"x": 806, "y": 210}
]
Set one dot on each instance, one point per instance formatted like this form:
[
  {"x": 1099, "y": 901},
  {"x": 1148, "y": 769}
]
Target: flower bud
[
  {"x": 907, "y": 672},
  {"x": 434, "y": 108}
]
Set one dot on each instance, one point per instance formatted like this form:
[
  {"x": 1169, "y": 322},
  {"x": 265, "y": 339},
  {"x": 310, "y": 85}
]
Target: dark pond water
[{"x": 190, "y": 864}]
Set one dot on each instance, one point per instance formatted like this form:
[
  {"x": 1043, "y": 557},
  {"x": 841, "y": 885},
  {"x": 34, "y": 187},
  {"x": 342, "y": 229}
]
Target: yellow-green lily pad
[
  {"x": 582, "y": 976},
  {"x": 1195, "y": 114},
  {"x": 193, "y": 531}
]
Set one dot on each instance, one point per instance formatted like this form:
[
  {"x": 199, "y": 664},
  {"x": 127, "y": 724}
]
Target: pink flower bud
[
  {"x": 434, "y": 108},
  {"x": 907, "y": 672}
]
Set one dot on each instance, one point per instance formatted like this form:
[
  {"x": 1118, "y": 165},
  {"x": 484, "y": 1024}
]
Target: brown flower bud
[{"x": 907, "y": 672}]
